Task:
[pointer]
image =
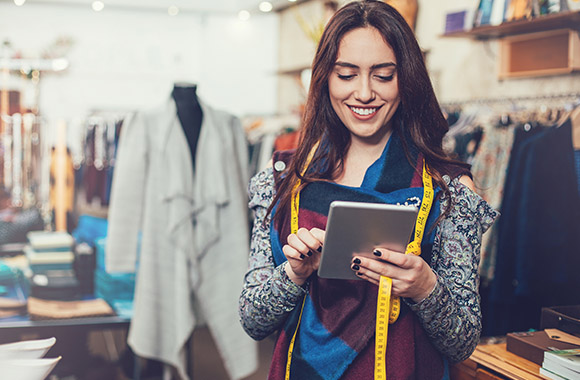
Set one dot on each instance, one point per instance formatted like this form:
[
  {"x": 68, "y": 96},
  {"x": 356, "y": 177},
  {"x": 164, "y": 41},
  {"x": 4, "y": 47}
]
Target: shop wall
[
  {"x": 129, "y": 59},
  {"x": 460, "y": 68},
  {"x": 295, "y": 51},
  {"x": 463, "y": 69}
]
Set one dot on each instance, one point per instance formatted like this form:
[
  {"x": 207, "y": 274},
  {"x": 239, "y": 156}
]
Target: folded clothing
[{"x": 51, "y": 309}]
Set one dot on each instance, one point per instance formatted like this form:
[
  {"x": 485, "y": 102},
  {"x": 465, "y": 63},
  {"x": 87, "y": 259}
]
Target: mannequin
[{"x": 189, "y": 113}]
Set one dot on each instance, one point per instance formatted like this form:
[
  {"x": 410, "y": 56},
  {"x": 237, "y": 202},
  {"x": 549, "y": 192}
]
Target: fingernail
[
  {"x": 376, "y": 252},
  {"x": 309, "y": 253},
  {"x": 302, "y": 256},
  {"x": 356, "y": 261},
  {"x": 355, "y": 267},
  {"x": 359, "y": 273},
  {"x": 319, "y": 249}
]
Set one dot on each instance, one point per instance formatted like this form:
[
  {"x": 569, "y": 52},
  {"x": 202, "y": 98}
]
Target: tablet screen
[{"x": 357, "y": 228}]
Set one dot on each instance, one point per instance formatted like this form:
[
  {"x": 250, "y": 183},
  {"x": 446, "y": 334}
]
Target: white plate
[
  {"x": 28, "y": 349},
  {"x": 27, "y": 369}
]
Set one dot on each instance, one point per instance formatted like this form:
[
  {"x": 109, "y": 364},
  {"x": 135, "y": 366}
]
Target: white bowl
[
  {"x": 27, "y": 369},
  {"x": 28, "y": 349}
]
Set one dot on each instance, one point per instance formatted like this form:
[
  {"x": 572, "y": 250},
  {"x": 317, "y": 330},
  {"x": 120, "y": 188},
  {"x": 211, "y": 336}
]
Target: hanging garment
[
  {"x": 539, "y": 234},
  {"x": 489, "y": 168},
  {"x": 194, "y": 234},
  {"x": 577, "y": 163}
]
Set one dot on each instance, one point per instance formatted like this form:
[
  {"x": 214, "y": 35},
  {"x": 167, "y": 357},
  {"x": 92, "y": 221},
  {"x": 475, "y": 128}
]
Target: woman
[{"x": 371, "y": 122}]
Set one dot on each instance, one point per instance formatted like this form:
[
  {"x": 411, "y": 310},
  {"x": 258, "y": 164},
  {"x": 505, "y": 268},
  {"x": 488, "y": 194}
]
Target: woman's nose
[{"x": 364, "y": 93}]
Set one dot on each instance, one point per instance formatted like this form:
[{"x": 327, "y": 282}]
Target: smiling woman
[
  {"x": 372, "y": 132},
  {"x": 364, "y": 93}
]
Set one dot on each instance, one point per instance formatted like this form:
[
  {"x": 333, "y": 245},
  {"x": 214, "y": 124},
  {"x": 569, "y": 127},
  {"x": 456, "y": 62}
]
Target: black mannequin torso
[{"x": 189, "y": 113}]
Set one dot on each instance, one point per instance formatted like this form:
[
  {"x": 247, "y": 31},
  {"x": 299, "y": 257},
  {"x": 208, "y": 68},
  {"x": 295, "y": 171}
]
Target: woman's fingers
[
  {"x": 305, "y": 242},
  {"x": 291, "y": 253},
  {"x": 412, "y": 277},
  {"x": 319, "y": 235},
  {"x": 377, "y": 267},
  {"x": 309, "y": 238},
  {"x": 365, "y": 276},
  {"x": 396, "y": 258}
]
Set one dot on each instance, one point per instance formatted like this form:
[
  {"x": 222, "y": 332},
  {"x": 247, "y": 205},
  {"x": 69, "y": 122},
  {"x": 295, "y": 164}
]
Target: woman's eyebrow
[{"x": 373, "y": 67}]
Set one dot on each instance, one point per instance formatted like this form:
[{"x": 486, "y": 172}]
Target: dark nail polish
[
  {"x": 359, "y": 274},
  {"x": 356, "y": 261},
  {"x": 376, "y": 252},
  {"x": 319, "y": 249},
  {"x": 355, "y": 267},
  {"x": 309, "y": 253},
  {"x": 302, "y": 256}
]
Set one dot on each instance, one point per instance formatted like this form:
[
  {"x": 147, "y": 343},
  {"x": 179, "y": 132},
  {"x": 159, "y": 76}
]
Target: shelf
[
  {"x": 57, "y": 64},
  {"x": 561, "y": 20},
  {"x": 551, "y": 52},
  {"x": 296, "y": 71}
]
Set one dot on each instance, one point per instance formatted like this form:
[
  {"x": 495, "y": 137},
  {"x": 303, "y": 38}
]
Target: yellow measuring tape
[
  {"x": 388, "y": 307},
  {"x": 295, "y": 203}
]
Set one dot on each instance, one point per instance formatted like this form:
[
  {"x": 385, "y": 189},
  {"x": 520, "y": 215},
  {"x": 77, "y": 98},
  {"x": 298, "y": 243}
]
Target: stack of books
[
  {"x": 13, "y": 291},
  {"x": 561, "y": 364},
  {"x": 50, "y": 257}
]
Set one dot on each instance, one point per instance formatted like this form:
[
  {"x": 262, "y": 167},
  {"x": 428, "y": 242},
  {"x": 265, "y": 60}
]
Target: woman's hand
[
  {"x": 412, "y": 277},
  {"x": 303, "y": 253}
]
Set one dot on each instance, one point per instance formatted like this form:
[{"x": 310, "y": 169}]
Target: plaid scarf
[{"x": 335, "y": 336}]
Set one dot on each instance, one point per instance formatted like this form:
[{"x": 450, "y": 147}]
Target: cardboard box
[
  {"x": 532, "y": 345},
  {"x": 565, "y": 318}
]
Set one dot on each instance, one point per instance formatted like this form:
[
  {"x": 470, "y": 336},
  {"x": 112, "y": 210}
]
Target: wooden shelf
[
  {"x": 561, "y": 20},
  {"x": 550, "y": 52}
]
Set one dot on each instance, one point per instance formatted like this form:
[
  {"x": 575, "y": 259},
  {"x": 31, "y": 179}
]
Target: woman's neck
[{"x": 358, "y": 158}]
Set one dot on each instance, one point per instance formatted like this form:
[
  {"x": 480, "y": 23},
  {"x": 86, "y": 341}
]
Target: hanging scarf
[{"x": 335, "y": 339}]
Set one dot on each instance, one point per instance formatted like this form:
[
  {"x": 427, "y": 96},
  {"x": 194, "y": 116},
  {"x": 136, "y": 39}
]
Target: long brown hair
[{"x": 418, "y": 112}]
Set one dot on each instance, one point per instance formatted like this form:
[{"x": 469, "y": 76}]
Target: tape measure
[
  {"x": 388, "y": 307},
  {"x": 295, "y": 203}
]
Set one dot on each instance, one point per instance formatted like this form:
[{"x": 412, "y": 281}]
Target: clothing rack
[{"x": 484, "y": 101}]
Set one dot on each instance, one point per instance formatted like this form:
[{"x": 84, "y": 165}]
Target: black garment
[
  {"x": 189, "y": 113},
  {"x": 539, "y": 234}
]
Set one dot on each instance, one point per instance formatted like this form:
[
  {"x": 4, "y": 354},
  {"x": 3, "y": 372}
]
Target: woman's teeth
[{"x": 363, "y": 111}]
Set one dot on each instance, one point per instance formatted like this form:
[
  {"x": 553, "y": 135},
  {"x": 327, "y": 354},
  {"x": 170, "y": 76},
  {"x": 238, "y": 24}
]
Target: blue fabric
[
  {"x": 321, "y": 337},
  {"x": 577, "y": 163},
  {"x": 89, "y": 229}
]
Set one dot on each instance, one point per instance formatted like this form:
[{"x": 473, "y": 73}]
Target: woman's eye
[
  {"x": 345, "y": 77},
  {"x": 385, "y": 78}
]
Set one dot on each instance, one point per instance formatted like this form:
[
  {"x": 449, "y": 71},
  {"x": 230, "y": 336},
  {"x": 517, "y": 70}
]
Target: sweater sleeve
[
  {"x": 451, "y": 314},
  {"x": 268, "y": 295}
]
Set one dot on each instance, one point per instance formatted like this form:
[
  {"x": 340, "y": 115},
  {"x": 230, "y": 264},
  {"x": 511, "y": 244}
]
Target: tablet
[{"x": 357, "y": 228}]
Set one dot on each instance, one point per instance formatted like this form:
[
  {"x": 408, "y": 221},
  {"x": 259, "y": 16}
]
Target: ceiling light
[
  {"x": 244, "y": 15},
  {"x": 173, "y": 10},
  {"x": 265, "y": 6},
  {"x": 292, "y": 1},
  {"x": 98, "y": 6},
  {"x": 19, "y": 2},
  {"x": 59, "y": 64}
]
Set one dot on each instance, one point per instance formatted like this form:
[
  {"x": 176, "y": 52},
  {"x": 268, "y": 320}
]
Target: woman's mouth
[{"x": 363, "y": 113}]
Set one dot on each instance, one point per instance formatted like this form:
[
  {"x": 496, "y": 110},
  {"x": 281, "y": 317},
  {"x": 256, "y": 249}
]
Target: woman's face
[{"x": 363, "y": 85}]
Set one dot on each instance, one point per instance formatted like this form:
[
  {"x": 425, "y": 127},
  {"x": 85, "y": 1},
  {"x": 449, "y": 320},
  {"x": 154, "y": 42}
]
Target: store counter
[{"x": 493, "y": 361}]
